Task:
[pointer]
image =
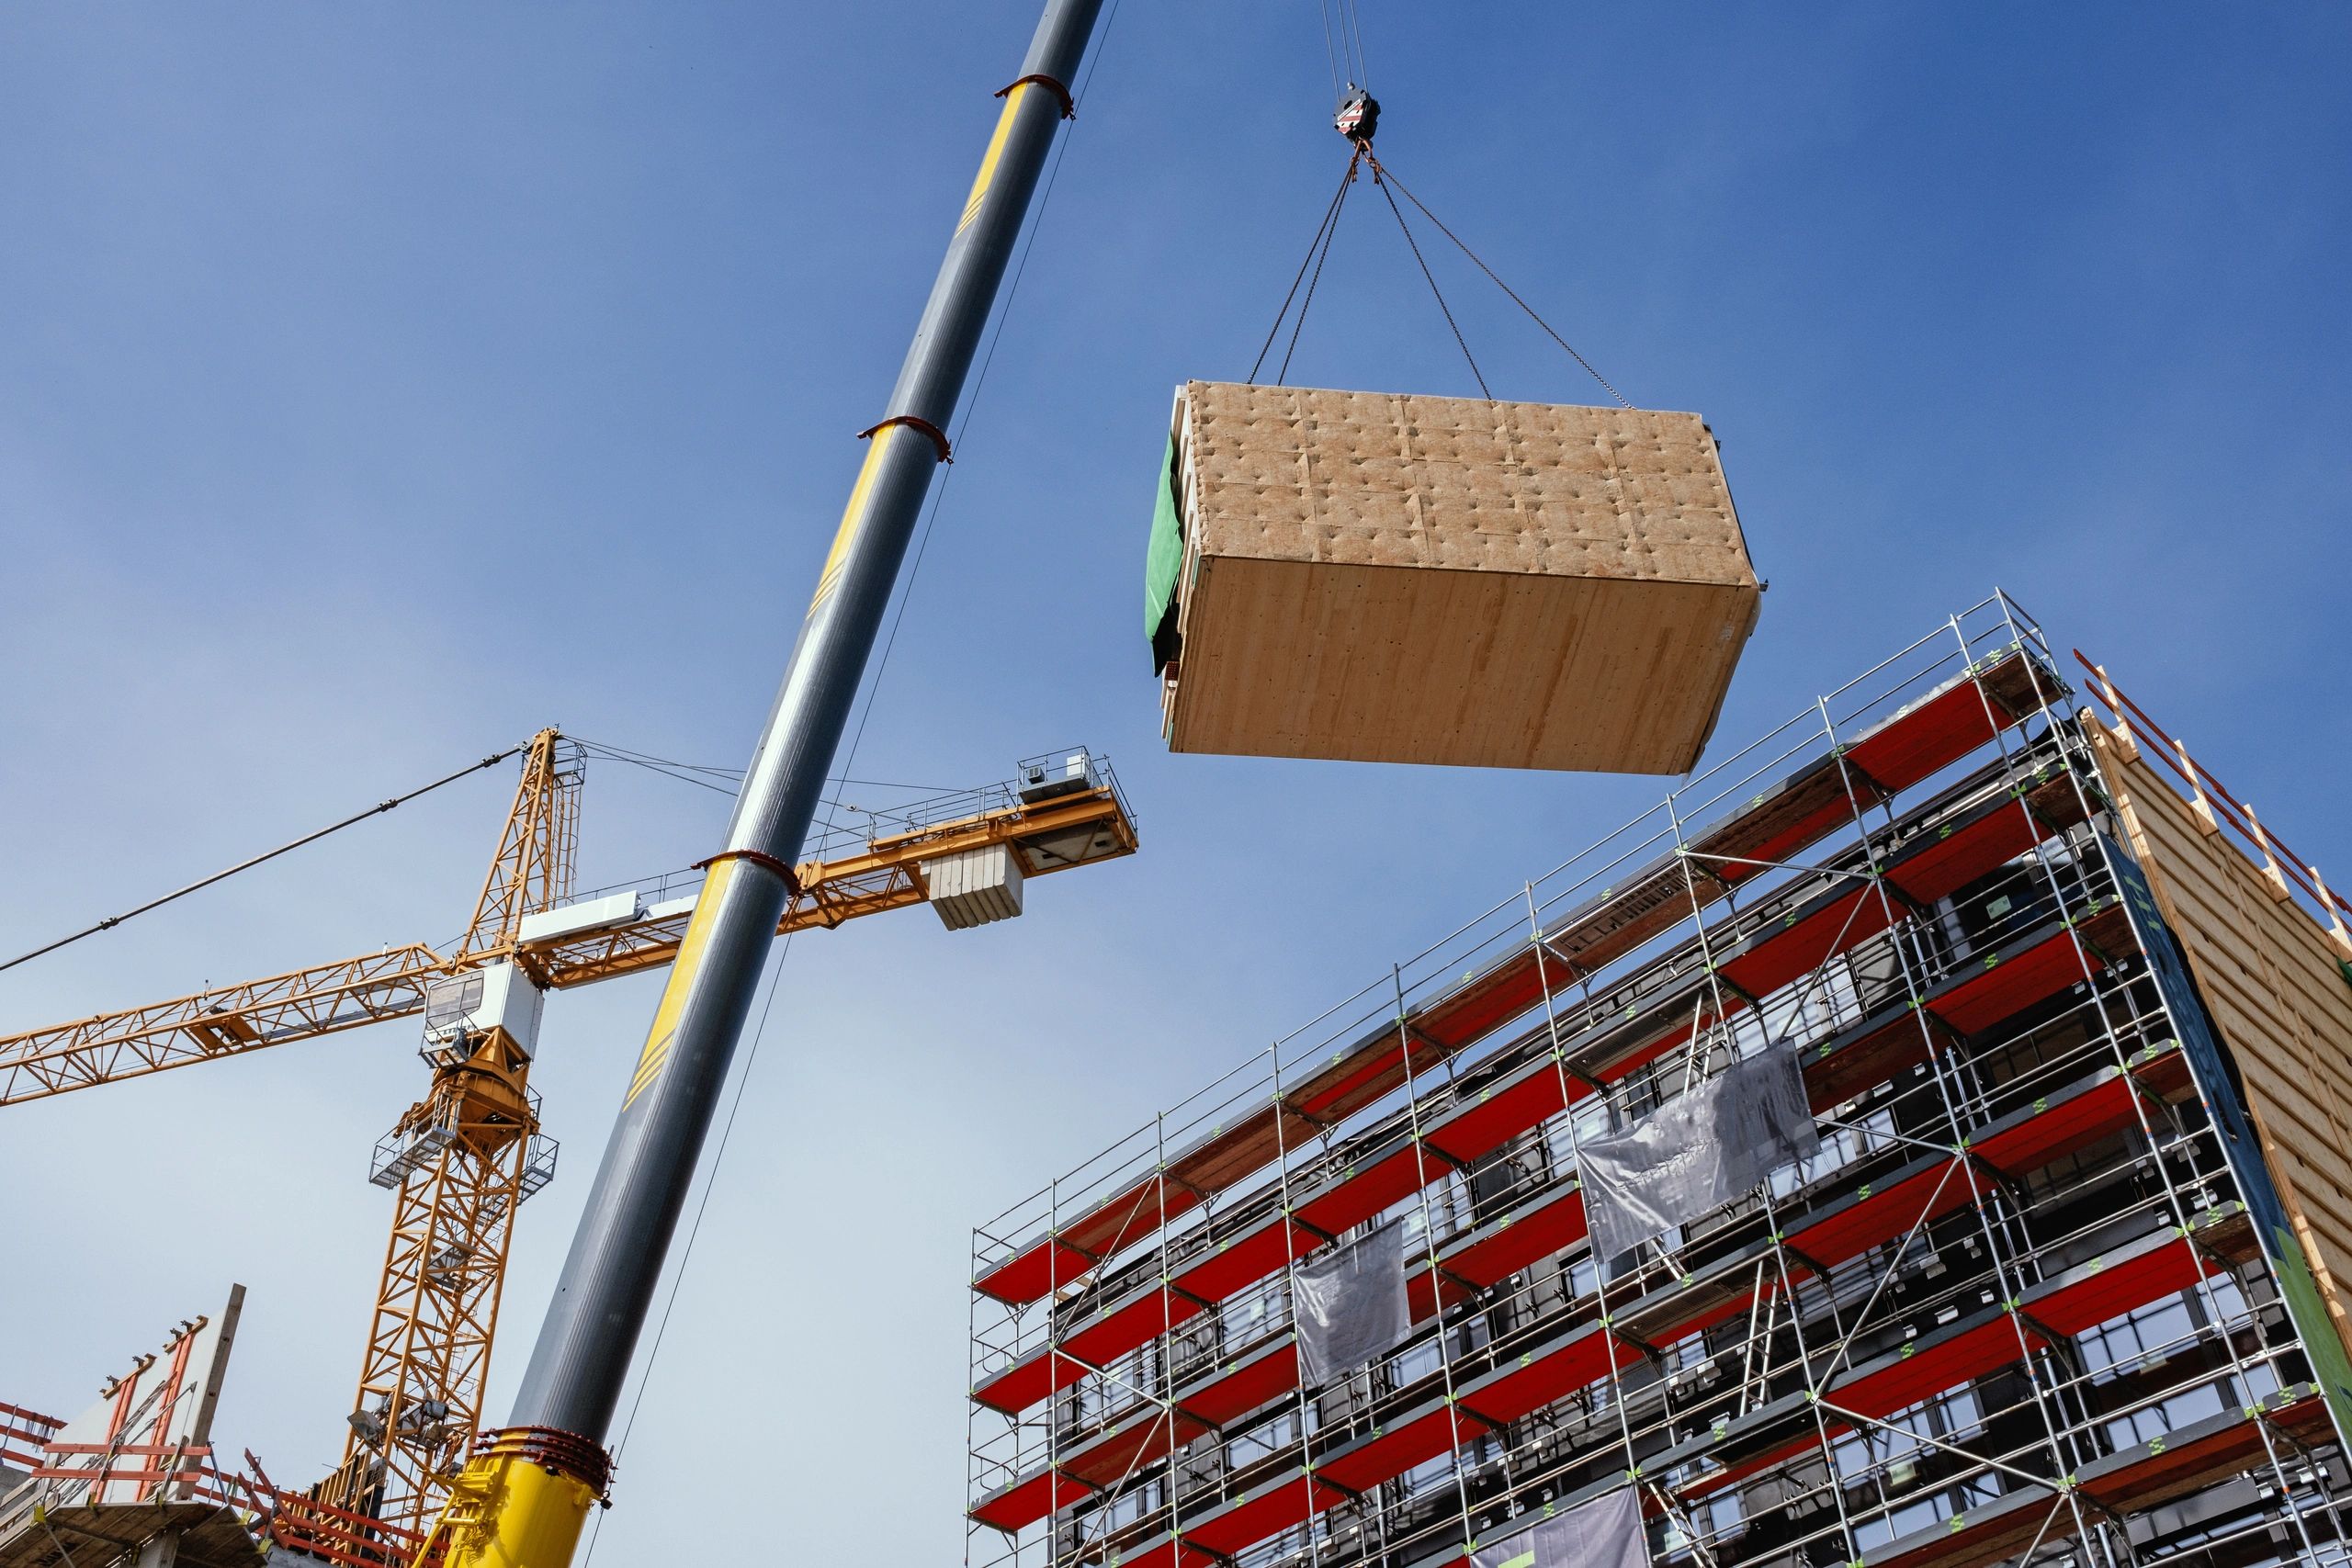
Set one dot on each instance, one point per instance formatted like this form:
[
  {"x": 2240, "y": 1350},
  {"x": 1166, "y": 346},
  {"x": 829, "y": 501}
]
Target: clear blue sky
[{"x": 380, "y": 383}]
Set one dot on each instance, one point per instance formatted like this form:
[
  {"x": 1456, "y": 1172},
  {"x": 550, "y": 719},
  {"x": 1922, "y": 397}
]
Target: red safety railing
[
  {"x": 23, "y": 1434},
  {"x": 2237, "y": 821},
  {"x": 182, "y": 1473}
]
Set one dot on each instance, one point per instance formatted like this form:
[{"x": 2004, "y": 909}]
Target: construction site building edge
[{"x": 2053, "y": 1277}]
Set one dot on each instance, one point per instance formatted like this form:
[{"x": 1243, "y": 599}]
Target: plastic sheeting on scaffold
[
  {"x": 1696, "y": 1153},
  {"x": 2082, "y": 1297},
  {"x": 2026, "y": 971},
  {"x": 1349, "y": 1305},
  {"x": 1871, "y": 1213}
]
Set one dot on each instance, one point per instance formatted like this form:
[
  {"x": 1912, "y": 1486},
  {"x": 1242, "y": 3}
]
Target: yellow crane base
[{"x": 521, "y": 1500}]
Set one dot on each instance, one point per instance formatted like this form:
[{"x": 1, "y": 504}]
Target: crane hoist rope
[
  {"x": 1505, "y": 288},
  {"x": 1316, "y": 248},
  {"x": 1344, "y": 53},
  {"x": 352, "y": 820},
  {"x": 1426, "y": 276},
  {"x": 1358, "y": 118}
]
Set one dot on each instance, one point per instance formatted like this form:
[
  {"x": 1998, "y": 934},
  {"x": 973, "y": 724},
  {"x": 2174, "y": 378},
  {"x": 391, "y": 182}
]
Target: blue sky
[{"x": 381, "y": 383}]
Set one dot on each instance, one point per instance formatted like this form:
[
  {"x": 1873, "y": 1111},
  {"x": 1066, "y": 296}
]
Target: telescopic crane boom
[{"x": 523, "y": 1497}]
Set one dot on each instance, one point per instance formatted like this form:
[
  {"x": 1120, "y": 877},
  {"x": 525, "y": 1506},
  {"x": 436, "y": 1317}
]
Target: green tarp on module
[{"x": 1163, "y": 565}]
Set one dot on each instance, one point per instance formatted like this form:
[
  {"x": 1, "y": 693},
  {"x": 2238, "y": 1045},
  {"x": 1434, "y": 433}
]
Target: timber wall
[{"x": 2272, "y": 978}]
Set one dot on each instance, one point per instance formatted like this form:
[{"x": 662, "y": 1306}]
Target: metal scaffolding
[{"x": 2022, "y": 1305}]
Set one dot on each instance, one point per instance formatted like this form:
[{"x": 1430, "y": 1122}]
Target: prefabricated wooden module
[{"x": 1375, "y": 577}]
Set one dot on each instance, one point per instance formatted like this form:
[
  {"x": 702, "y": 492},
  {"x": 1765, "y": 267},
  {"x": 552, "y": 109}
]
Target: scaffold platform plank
[
  {"x": 1244, "y": 1261},
  {"x": 1396, "y": 1445},
  {"x": 1865, "y": 1054},
  {"x": 1165, "y": 1550},
  {"x": 1369, "y": 1185},
  {"x": 1875, "y": 1213},
  {"x": 1123, "y": 1448},
  {"x": 2073, "y": 1119},
  {"x": 2028, "y": 970},
  {"x": 1244, "y": 1382},
  {"x": 1941, "y": 728},
  {"x": 1707, "y": 1295},
  {"x": 2101, "y": 1289},
  {"x": 1551, "y": 1222},
  {"x": 1265, "y": 1511},
  {"x": 1031, "y": 1499},
  {"x": 2135, "y": 1479},
  {"x": 1580, "y": 1360},
  {"x": 1926, "y": 1367},
  {"x": 1836, "y": 923},
  {"x": 1836, "y": 1230},
  {"x": 1992, "y": 834},
  {"x": 1499, "y": 1114}
]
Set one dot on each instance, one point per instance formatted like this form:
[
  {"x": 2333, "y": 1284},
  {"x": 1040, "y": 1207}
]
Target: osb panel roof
[{"x": 1385, "y": 479}]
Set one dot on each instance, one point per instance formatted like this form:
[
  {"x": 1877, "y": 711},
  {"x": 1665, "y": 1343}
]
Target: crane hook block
[{"x": 1358, "y": 117}]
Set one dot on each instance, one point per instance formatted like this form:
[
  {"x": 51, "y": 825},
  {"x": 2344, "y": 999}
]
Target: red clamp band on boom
[
  {"x": 557, "y": 1452},
  {"x": 914, "y": 422},
  {"x": 1069, "y": 108},
  {"x": 791, "y": 878}
]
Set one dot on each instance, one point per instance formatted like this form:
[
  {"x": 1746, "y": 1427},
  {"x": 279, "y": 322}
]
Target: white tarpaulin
[
  {"x": 1604, "y": 1533},
  {"x": 1350, "y": 1307},
  {"x": 1697, "y": 1152}
]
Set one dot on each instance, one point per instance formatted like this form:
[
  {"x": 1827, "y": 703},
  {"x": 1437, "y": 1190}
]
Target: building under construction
[
  {"x": 2055, "y": 1282},
  {"x": 1920, "y": 1140}
]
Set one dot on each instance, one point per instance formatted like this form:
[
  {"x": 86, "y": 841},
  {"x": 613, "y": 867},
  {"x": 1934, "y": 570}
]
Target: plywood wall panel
[{"x": 2270, "y": 976}]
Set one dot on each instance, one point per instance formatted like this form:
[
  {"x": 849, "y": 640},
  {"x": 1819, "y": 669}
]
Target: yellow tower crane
[{"x": 463, "y": 1158}]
